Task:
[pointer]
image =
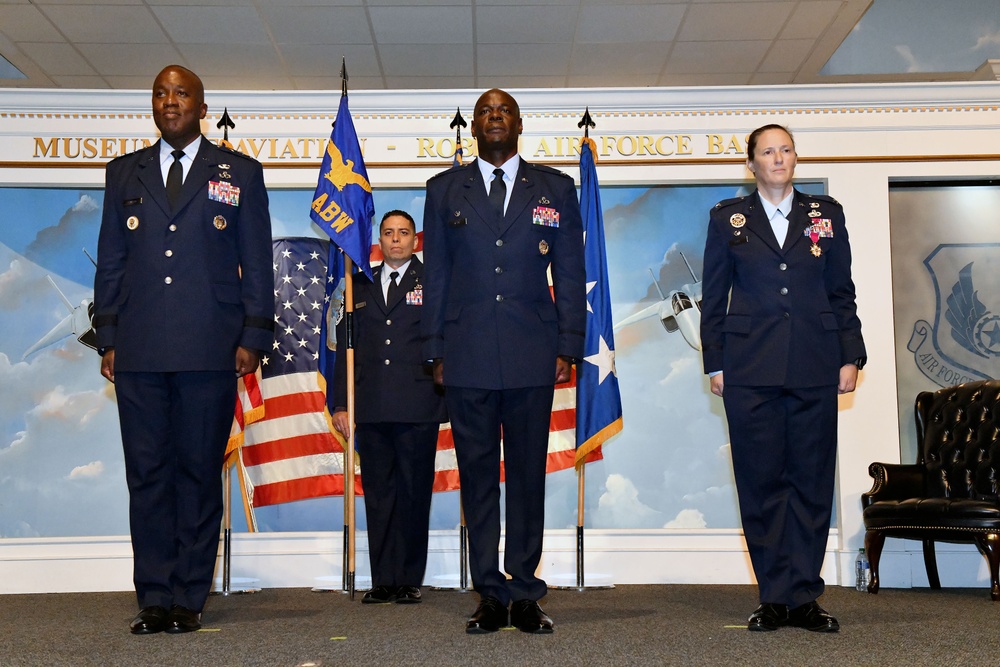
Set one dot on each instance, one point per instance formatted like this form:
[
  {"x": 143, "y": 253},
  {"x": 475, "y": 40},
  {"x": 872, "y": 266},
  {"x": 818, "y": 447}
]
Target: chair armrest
[{"x": 895, "y": 481}]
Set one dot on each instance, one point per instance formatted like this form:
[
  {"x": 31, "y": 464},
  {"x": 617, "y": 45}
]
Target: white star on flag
[
  {"x": 590, "y": 286},
  {"x": 604, "y": 360}
]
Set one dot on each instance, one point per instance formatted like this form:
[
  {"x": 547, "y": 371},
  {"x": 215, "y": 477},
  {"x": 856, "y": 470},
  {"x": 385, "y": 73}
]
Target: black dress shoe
[
  {"x": 812, "y": 617},
  {"x": 149, "y": 621},
  {"x": 490, "y": 616},
  {"x": 527, "y": 616},
  {"x": 380, "y": 595},
  {"x": 181, "y": 619},
  {"x": 768, "y": 617},
  {"x": 408, "y": 595}
]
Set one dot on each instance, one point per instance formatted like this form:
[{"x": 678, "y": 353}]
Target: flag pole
[
  {"x": 586, "y": 440},
  {"x": 349, "y": 516}
]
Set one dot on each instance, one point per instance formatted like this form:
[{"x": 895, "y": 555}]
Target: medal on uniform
[
  {"x": 219, "y": 222},
  {"x": 132, "y": 222},
  {"x": 737, "y": 220},
  {"x": 543, "y": 247},
  {"x": 814, "y": 248}
]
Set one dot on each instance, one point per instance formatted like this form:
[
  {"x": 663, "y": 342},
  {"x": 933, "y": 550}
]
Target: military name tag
[{"x": 223, "y": 192}]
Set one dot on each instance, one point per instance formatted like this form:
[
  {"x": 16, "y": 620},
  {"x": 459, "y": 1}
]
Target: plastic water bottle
[{"x": 862, "y": 570}]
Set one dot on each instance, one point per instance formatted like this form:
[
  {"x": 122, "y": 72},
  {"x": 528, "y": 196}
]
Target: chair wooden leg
[
  {"x": 989, "y": 544},
  {"x": 874, "y": 540},
  {"x": 930, "y": 564}
]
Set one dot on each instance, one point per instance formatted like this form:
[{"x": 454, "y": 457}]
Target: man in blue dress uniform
[
  {"x": 184, "y": 305},
  {"x": 500, "y": 342}
]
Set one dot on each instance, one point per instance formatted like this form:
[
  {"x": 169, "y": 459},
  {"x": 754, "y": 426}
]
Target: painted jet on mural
[
  {"x": 680, "y": 310},
  {"x": 76, "y": 323}
]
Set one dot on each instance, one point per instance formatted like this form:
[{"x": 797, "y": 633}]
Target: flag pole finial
[
  {"x": 343, "y": 75},
  {"x": 586, "y": 123}
]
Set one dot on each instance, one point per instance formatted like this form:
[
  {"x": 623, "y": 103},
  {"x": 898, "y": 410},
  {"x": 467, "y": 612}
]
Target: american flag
[{"x": 292, "y": 453}]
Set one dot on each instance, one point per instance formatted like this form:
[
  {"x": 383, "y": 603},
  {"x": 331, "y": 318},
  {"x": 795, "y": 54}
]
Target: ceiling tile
[
  {"x": 811, "y": 19},
  {"x": 628, "y": 23},
  {"x": 714, "y": 79},
  {"x": 427, "y": 60},
  {"x": 233, "y": 60},
  {"x": 325, "y": 60},
  {"x": 786, "y": 55},
  {"x": 85, "y": 82},
  {"x": 508, "y": 82},
  {"x": 56, "y": 59},
  {"x": 103, "y": 24},
  {"x": 602, "y": 81},
  {"x": 249, "y": 82},
  {"x": 771, "y": 78},
  {"x": 715, "y": 57},
  {"x": 318, "y": 25},
  {"x": 24, "y": 23},
  {"x": 735, "y": 20},
  {"x": 131, "y": 59},
  {"x": 523, "y": 25},
  {"x": 422, "y": 25},
  {"x": 425, "y": 82},
  {"x": 332, "y": 84},
  {"x": 546, "y": 59},
  {"x": 616, "y": 60},
  {"x": 212, "y": 25}
]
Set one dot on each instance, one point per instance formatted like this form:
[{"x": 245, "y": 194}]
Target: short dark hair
[
  {"x": 396, "y": 211},
  {"x": 755, "y": 135}
]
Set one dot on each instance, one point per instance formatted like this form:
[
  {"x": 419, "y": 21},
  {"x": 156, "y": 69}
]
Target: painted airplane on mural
[
  {"x": 680, "y": 310},
  {"x": 77, "y": 323}
]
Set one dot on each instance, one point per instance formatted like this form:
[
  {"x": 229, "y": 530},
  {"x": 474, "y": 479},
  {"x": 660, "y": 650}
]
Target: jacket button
[
  {"x": 499, "y": 242},
  {"x": 387, "y": 341},
  {"x": 168, "y": 280},
  {"x": 499, "y": 297},
  {"x": 386, "y": 362},
  {"x": 783, "y": 291},
  {"x": 787, "y": 316},
  {"x": 782, "y": 266},
  {"x": 172, "y": 228},
  {"x": 498, "y": 270},
  {"x": 388, "y": 322},
  {"x": 169, "y": 253}
]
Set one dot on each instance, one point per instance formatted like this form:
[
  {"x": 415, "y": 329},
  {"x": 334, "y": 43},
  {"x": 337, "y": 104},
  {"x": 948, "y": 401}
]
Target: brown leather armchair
[{"x": 951, "y": 493}]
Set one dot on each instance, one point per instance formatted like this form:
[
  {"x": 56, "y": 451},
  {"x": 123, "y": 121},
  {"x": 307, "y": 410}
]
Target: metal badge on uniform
[
  {"x": 543, "y": 247},
  {"x": 224, "y": 174},
  {"x": 814, "y": 214},
  {"x": 737, "y": 220},
  {"x": 224, "y": 192},
  {"x": 132, "y": 202},
  {"x": 544, "y": 202},
  {"x": 132, "y": 223},
  {"x": 224, "y": 166},
  {"x": 814, "y": 204},
  {"x": 415, "y": 297},
  {"x": 219, "y": 222},
  {"x": 545, "y": 216}
]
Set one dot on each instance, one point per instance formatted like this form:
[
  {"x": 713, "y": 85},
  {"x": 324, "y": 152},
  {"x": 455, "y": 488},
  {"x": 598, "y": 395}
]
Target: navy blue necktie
[
  {"x": 175, "y": 177},
  {"x": 498, "y": 192}
]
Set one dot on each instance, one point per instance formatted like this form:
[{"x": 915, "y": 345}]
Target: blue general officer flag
[
  {"x": 342, "y": 205},
  {"x": 598, "y": 399}
]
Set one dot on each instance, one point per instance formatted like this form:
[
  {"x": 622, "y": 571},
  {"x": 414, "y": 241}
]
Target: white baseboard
[{"x": 288, "y": 560}]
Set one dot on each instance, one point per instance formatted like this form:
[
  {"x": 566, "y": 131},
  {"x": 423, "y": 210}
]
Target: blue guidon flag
[
  {"x": 343, "y": 205},
  {"x": 598, "y": 398}
]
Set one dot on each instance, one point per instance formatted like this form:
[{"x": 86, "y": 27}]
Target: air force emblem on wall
[{"x": 964, "y": 342}]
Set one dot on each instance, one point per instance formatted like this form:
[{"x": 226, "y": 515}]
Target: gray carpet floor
[{"x": 627, "y": 625}]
